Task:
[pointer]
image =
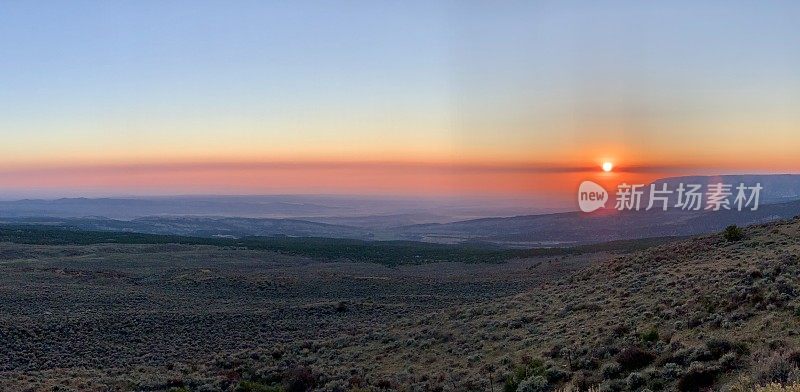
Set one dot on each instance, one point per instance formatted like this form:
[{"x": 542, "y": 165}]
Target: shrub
[
  {"x": 733, "y": 233},
  {"x": 554, "y": 351},
  {"x": 634, "y": 381},
  {"x": 585, "y": 363},
  {"x": 633, "y": 358},
  {"x": 611, "y": 370},
  {"x": 671, "y": 371},
  {"x": 728, "y": 361},
  {"x": 655, "y": 384},
  {"x": 698, "y": 377},
  {"x": 556, "y": 375},
  {"x": 620, "y": 331},
  {"x": 650, "y": 335},
  {"x": 252, "y": 386},
  {"x": 717, "y": 347},
  {"x": 720, "y": 347},
  {"x": 794, "y": 358},
  {"x": 510, "y": 384},
  {"x": 687, "y": 355},
  {"x": 533, "y": 384},
  {"x": 582, "y": 381},
  {"x": 612, "y": 386},
  {"x": 531, "y": 367},
  {"x": 300, "y": 379},
  {"x": 776, "y": 369}
]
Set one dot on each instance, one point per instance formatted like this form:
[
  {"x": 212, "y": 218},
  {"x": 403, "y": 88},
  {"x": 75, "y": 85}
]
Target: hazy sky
[{"x": 116, "y": 97}]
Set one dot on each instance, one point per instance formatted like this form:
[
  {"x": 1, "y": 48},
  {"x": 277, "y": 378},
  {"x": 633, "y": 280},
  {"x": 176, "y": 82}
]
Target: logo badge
[{"x": 591, "y": 196}]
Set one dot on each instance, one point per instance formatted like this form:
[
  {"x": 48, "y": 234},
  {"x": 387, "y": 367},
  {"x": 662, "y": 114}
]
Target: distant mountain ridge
[
  {"x": 605, "y": 225},
  {"x": 780, "y": 199},
  {"x": 777, "y": 188},
  {"x": 370, "y": 210}
]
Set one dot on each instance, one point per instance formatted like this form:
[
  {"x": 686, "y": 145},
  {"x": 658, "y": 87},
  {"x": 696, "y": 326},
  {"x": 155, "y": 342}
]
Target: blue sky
[{"x": 101, "y": 82}]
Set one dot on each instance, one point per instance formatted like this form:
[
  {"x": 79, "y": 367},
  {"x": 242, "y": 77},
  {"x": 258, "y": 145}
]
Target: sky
[{"x": 377, "y": 97}]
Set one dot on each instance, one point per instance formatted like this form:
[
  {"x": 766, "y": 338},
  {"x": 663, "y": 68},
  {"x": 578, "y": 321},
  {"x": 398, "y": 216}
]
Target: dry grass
[
  {"x": 779, "y": 388},
  {"x": 699, "y": 314}
]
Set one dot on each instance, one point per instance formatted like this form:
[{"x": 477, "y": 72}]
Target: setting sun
[{"x": 607, "y": 166}]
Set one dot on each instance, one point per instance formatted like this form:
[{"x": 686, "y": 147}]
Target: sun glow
[{"x": 607, "y": 166}]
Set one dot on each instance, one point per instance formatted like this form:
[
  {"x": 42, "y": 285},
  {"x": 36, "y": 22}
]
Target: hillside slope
[
  {"x": 701, "y": 314},
  {"x": 600, "y": 226},
  {"x": 698, "y": 314},
  {"x": 683, "y": 316}
]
